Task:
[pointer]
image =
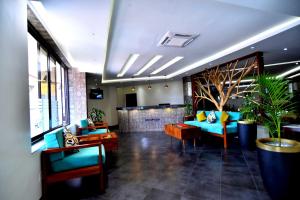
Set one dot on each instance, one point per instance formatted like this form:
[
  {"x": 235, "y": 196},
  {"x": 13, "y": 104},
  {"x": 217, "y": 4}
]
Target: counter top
[{"x": 151, "y": 107}]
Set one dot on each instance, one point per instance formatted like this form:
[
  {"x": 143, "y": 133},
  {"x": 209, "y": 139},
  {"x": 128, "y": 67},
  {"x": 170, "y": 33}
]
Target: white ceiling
[{"x": 99, "y": 39}]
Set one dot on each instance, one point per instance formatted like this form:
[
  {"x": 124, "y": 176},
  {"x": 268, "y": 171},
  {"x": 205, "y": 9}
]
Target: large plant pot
[
  {"x": 280, "y": 168},
  {"x": 247, "y": 131}
]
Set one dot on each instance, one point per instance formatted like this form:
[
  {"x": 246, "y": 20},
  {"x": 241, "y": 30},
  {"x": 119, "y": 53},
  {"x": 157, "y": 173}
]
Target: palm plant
[
  {"x": 274, "y": 102},
  {"x": 250, "y": 107}
]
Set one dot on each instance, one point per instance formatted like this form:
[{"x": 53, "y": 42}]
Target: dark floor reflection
[{"x": 147, "y": 166}]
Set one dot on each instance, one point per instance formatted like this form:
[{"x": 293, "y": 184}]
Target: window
[{"x": 47, "y": 90}]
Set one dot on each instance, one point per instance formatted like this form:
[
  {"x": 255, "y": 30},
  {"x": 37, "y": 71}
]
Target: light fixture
[
  {"x": 129, "y": 62},
  {"x": 166, "y": 85},
  {"x": 149, "y": 64},
  {"x": 133, "y": 89},
  {"x": 252, "y": 47},
  {"x": 149, "y": 86},
  {"x": 285, "y": 49},
  {"x": 282, "y": 63},
  {"x": 288, "y": 72},
  {"x": 168, "y": 64},
  {"x": 294, "y": 75}
]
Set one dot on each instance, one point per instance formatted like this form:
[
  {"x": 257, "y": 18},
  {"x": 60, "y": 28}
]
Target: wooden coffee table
[
  {"x": 183, "y": 132},
  {"x": 109, "y": 140}
]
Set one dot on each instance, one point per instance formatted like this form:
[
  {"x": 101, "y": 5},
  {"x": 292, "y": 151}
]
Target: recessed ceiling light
[
  {"x": 168, "y": 64},
  {"x": 149, "y": 64},
  {"x": 285, "y": 49},
  {"x": 252, "y": 47},
  {"x": 131, "y": 59},
  {"x": 297, "y": 63}
]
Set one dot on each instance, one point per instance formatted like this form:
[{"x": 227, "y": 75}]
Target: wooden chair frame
[
  {"x": 80, "y": 129},
  {"x": 49, "y": 177},
  {"x": 224, "y": 135}
]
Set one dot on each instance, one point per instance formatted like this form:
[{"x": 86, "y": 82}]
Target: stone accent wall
[
  {"x": 77, "y": 95},
  {"x": 187, "y": 93},
  {"x": 148, "y": 120}
]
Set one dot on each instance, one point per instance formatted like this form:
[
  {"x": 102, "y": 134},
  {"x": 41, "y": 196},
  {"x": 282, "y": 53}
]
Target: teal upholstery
[
  {"x": 99, "y": 131},
  {"x": 84, "y": 124},
  {"x": 217, "y": 127},
  {"x": 84, "y": 158},
  {"x": 55, "y": 139}
]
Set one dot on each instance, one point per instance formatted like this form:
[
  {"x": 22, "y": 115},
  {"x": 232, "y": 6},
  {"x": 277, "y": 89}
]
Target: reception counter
[{"x": 148, "y": 118}]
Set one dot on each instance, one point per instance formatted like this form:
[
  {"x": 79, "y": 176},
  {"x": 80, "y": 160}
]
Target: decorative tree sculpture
[{"x": 226, "y": 79}]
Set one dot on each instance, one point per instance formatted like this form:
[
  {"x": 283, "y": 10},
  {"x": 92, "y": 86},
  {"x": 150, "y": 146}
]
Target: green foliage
[
  {"x": 97, "y": 115},
  {"x": 250, "y": 107},
  {"x": 188, "y": 109},
  {"x": 274, "y": 103}
]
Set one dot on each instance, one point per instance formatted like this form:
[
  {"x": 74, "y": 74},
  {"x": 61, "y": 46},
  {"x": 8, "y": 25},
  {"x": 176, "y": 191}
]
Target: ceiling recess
[{"x": 171, "y": 39}]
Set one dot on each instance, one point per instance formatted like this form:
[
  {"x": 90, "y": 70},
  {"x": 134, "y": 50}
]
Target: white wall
[
  {"x": 108, "y": 104},
  {"x": 19, "y": 169},
  {"x": 158, "y": 94}
]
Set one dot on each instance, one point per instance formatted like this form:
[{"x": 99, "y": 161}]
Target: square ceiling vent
[{"x": 171, "y": 39}]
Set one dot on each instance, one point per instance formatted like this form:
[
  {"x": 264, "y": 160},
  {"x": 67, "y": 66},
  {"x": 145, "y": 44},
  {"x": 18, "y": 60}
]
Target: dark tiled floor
[{"x": 148, "y": 167}]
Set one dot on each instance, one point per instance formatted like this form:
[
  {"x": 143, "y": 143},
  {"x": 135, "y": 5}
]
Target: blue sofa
[
  {"x": 60, "y": 162},
  {"x": 219, "y": 129},
  {"x": 85, "y": 129}
]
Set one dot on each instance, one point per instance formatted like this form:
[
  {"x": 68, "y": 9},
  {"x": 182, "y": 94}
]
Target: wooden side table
[
  {"x": 183, "y": 132},
  {"x": 109, "y": 140}
]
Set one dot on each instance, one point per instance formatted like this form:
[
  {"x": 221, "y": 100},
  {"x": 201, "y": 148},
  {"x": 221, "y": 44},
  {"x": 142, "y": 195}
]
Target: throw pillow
[
  {"x": 211, "y": 118},
  {"x": 224, "y": 116},
  {"x": 71, "y": 140},
  {"x": 201, "y": 116},
  {"x": 91, "y": 123}
]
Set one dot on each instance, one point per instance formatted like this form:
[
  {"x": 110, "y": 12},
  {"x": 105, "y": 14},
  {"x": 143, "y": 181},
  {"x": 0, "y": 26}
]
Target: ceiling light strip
[
  {"x": 129, "y": 62},
  {"x": 248, "y": 42},
  {"x": 288, "y": 72},
  {"x": 133, "y": 79},
  {"x": 294, "y": 75},
  {"x": 168, "y": 64},
  {"x": 149, "y": 64},
  {"x": 282, "y": 63}
]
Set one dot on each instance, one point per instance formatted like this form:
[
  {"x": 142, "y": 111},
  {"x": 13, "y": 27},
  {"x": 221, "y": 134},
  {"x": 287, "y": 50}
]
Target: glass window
[
  {"x": 44, "y": 92},
  {"x": 35, "y": 116},
  {"x": 47, "y": 90}
]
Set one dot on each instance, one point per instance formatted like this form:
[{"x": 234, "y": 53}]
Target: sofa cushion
[
  {"x": 84, "y": 158},
  {"x": 224, "y": 116},
  {"x": 84, "y": 124},
  {"x": 99, "y": 131},
  {"x": 54, "y": 139},
  {"x": 213, "y": 128},
  {"x": 201, "y": 116},
  {"x": 211, "y": 118}
]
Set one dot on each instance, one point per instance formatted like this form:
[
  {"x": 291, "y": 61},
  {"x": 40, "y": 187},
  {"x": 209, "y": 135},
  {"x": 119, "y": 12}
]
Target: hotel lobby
[{"x": 146, "y": 100}]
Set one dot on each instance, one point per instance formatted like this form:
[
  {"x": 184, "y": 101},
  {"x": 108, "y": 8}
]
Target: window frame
[{"x": 41, "y": 43}]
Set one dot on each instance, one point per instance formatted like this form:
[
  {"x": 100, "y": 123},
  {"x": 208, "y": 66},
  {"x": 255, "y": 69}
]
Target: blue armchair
[
  {"x": 61, "y": 163},
  {"x": 85, "y": 129}
]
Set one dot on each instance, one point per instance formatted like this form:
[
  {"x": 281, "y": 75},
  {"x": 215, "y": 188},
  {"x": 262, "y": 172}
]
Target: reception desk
[{"x": 148, "y": 118}]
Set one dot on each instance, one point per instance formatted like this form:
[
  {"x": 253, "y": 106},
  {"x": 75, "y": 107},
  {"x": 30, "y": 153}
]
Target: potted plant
[
  {"x": 247, "y": 128},
  {"x": 279, "y": 159},
  {"x": 97, "y": 115},
  {"x": 188, "y": 112}
]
